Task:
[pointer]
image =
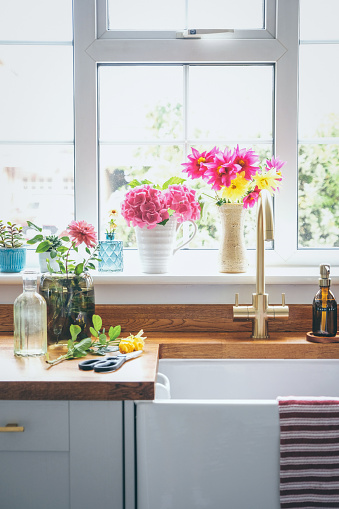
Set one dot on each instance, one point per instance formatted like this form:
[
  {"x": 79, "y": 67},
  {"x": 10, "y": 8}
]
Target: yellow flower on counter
[
  {"x": 131, "y": 343},
  {"x": 126, "y": 346}
]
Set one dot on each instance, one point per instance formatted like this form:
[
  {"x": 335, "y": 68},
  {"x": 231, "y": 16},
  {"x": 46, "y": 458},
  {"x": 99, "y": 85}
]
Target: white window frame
[{"x": 278, "y": 45}]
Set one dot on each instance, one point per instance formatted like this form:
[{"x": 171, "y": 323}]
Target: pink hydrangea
[
  {"x": 145, "y": 206},
  {"x": 183, "y": 202}
]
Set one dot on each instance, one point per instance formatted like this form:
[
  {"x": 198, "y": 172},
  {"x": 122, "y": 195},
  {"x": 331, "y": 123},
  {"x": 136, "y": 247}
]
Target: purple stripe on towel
[{"x": 309, "y": 453}]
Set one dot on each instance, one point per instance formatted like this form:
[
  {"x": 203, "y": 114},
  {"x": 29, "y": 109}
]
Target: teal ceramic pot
[{"x": 12, "y": 259}]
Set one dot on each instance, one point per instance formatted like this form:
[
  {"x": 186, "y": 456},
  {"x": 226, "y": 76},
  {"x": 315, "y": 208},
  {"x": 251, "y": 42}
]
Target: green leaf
[
  {"x": 37, "y": 238},
  {"x": 65, "y": 239},
  {"x": 163, "y": 222},
  {"x": 62, "y": 249},
  {"x": 53, "y": 253},
  {"x": 84, "y": 344},
  {"x": 88, "y": 250},
  {"x": 75, "y": 331},
  {"x": 114, "y": 332},
  {"x": 103, "y": 339},
  {"x": 97, "y": 322},
  {"x": 94, "y": 332},
  {"x": 172, "y": 181},
  {"x": 43, "y": 246},
  {"x": 34, "y": 226},
  {"x": 135, "y": 182},
  {"x": 79, "y": 269}
]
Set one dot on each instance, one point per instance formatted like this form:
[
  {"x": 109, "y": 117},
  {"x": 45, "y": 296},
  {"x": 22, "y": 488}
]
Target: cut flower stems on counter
[{"x": 99, "y": 343}]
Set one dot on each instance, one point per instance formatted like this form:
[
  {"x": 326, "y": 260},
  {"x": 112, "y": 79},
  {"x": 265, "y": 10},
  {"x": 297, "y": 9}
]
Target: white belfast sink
[{"x": 215, "y": 442}]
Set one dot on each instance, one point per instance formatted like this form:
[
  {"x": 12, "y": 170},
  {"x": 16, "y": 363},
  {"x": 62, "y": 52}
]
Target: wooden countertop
[{"x": 32, "y": 378}]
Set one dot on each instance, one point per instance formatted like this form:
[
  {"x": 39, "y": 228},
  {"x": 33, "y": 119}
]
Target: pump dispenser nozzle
[{"x": 324, "y": 279}]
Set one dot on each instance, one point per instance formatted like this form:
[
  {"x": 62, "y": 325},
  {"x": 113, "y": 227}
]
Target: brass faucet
[{"x": 260, "y": 311}]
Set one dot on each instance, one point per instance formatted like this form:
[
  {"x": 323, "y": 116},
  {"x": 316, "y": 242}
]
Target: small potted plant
[
  {"x": 47, "y": 248},
  {"x": 12, "y": 250}
]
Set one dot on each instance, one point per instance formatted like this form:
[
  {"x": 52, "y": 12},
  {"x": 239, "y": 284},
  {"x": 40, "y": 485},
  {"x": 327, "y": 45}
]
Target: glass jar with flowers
[
  {"x": 111, "y": 250},
  {"x": 69, "y": 291},
  {"x": 237, "y": 179},
  {"x": 157, "y": 212}
]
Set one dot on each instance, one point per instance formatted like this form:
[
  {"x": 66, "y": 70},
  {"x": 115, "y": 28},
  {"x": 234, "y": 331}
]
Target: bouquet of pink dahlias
[
  {"x": 235, "y": 175},
  {"x": 148, "y": 204}
]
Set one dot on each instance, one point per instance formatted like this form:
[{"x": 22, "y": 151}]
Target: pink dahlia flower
[
  {"x": 251, "y": 199},
  {"x": 197, "y": 165},
  {"x": 183, "y": 202},
  {"x": 81, "y": 231},
  {"x": 223, "y": 170},
  {"x": 246, "y": 159},
  {"x": 275, "y": 163}
]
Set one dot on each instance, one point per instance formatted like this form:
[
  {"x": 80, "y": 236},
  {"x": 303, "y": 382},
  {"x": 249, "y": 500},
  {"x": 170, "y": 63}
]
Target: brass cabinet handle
[{"x": 12, "y": 427}]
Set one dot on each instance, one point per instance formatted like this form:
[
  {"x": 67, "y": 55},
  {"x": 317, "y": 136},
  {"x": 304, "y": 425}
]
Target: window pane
[
  {"x": 119, "y": 164},
  {"x": 223, "y": 106},
  {"x": 36, "y": 20},
  {"x": 36, "y": 99},
  {"x": 319, "y": 20},
  {"x": 319, "y": 194},
  {"x": 37, "y": 178},
  {"x": 318, "y": 89},
  {"x": 242, "y": 14},
  {"x": 140, "y": 103},
  {"x": 146, "y": 14}
]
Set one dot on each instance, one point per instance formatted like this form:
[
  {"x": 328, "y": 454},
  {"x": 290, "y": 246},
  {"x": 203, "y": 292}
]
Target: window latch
[{"x": 193, "y": 33}]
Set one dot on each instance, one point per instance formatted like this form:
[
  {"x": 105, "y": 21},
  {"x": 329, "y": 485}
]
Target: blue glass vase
[{"x": 111, "y": 254}]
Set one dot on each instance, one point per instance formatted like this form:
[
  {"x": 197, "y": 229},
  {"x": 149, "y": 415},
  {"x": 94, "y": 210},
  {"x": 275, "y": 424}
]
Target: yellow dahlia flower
[{"x": 237, "y": 189}]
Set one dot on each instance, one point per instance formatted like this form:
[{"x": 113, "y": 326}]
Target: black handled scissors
[{"x": 108, "y": 364}]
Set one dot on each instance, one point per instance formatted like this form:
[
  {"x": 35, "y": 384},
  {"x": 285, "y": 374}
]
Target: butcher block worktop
[
  {"x": 34, "y": 379},
  {"x": 173, "y": 331}
]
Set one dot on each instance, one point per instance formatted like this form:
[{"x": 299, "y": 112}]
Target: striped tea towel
[{"x": 309, "y": 453}]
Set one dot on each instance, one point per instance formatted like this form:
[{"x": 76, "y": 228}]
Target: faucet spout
[
  {"x": 265, "y": 232},
  {"x": 260, "y": 311}
]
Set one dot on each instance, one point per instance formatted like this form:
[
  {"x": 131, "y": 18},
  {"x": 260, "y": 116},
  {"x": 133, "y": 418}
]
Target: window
[
  {"x": 36, "y": 110},
  {"x": 144, "y": 94}
]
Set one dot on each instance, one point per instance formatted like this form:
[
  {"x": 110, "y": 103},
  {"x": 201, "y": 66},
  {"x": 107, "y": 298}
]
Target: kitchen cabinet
[{"x": 69, "y": 456}]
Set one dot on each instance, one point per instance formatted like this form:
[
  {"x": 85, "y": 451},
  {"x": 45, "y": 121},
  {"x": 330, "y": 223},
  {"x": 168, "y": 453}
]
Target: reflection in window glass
[
  {"x": 37, "y": 98},
  {"x": 171, "y": 14},
  {"x": 141, "y": 103},
  {"x": 146, "y": 14},
  {"x": 36, "y": 179},
  {"x": 147, "y": 129},
  {"x": 319, "y": 20},
  {"x": 36, "y": 20},
  {"x": 222, "y": 105},
  {"x": 318, "y": 97},
  {"x": 318, "y": 192},
  {"x": 242, "y": 14}
]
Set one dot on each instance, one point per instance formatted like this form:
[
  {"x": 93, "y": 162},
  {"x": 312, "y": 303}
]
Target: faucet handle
[
  {"x": 283, "y": 299},
  {"x": 236, "y": 300}
]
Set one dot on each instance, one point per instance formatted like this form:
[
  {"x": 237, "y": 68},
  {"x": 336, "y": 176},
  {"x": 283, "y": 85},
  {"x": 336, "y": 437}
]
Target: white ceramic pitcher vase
[
  {"x": 232, "y": 252},
  {"x": 158, "y": 245}
]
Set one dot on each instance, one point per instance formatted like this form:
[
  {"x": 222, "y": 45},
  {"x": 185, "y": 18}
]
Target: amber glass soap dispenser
[{"x": 324, "y": 307}]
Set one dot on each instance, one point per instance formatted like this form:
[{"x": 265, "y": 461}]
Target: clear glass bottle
[
  {"x": 30, "y": 319},
  {"x": 111, "y": 254},
  {"x": 324, "y": 306}
]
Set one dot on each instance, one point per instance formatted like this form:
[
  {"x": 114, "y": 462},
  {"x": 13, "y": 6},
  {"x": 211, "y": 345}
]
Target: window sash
[{"x": 94, "y": 44}]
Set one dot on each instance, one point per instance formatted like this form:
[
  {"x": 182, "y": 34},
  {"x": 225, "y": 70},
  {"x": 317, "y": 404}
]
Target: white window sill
[{"x": 191, "y": 280}]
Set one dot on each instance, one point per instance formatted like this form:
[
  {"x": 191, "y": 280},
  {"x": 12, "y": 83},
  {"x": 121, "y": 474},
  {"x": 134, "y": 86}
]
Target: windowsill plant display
[
  {"x": 157, "y": 212},
  {"x": 237, "y": 179},
  {"x": 12, "y": 249}
]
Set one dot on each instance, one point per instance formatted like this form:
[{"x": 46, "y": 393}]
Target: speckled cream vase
[{"x": 232, "y": 252}]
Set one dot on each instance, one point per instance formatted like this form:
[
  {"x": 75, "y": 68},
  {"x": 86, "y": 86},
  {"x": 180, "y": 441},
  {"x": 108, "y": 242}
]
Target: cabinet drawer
[{"x": 46, "y": 425}]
